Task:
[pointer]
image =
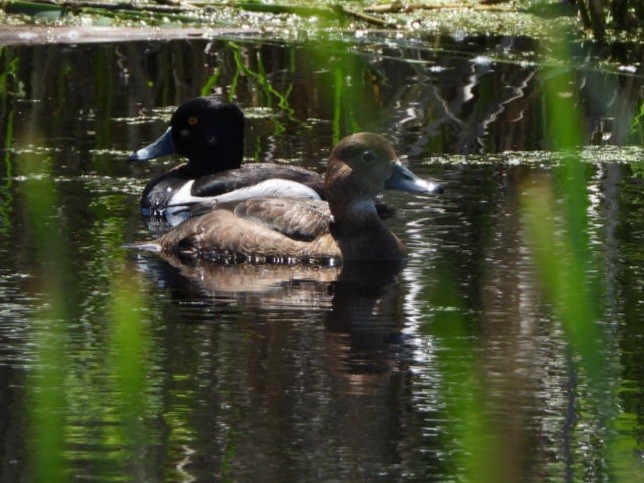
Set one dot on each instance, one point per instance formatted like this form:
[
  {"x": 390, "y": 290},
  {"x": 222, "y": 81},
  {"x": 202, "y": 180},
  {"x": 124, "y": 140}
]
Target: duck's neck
[
  {"x": 361, "y": 234},
  {"x": 196, "y": 168},
  {"x": 205, "y": 160}
]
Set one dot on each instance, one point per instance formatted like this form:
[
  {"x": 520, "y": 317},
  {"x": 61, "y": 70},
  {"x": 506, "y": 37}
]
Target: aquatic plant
[
  {"x": 626, "y": 15},
  {"x": 558, "y": 231}
]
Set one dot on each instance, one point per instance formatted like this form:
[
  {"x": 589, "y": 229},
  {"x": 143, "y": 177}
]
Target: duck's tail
[{"x": 151, "y": 246}]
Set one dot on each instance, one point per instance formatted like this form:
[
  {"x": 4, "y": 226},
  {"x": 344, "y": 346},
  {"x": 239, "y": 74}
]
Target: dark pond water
[{"x": 452, "y": 368}]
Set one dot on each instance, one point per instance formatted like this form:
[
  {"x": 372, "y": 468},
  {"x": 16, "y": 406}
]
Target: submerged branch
[
  {"x": 73, "y": 5},
  {"x": 363, "y": 16},
  {"x": 399, "y": 7}
]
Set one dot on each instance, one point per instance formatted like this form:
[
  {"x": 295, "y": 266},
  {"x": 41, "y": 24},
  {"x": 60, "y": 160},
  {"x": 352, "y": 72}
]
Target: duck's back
[
  {"x": 164, "y": 190},
  {"x": 251, "y": 174}
]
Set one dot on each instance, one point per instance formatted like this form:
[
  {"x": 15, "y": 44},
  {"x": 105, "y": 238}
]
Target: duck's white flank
[
  {"x": 267, "y": 188},
  {"x": 281, "y": 188}
]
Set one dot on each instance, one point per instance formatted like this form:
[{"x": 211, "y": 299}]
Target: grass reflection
[
  {"x": 352, "y": 109},
  {"x": 129, "y": 361},
  {"x": 476, "y": 453},
  {"x": 258, "y": 76},
  {"x": 48, "y": 378},
  {"x": 10, "y": 88},
  {"x": 636, "y": 129},
  {"x": 596, "y": 441},
  {"x": 558, "y": 232},
  {"x": 324, "y": 72},
  {"x": 70, "y": 388}
]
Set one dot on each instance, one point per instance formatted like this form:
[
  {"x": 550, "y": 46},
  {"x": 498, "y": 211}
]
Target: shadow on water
[{"x": 163, "y": 371}]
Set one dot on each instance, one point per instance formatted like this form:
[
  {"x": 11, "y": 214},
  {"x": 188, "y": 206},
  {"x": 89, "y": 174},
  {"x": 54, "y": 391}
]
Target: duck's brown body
[
  {"x": 223, "y": 235},
  {"x": 284, "y": 230}
]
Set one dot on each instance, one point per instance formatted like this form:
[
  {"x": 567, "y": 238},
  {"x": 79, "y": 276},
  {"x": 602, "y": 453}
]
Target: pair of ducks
[{"x": 272, "y": 212}]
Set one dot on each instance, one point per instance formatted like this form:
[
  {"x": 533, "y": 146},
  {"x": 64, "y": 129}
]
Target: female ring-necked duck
[
  {"x": 210, "y": 133},
  {"x": 348, "y": 228}
]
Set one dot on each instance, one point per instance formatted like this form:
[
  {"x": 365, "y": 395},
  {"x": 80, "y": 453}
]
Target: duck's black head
[{"x": 207, "y": 130}]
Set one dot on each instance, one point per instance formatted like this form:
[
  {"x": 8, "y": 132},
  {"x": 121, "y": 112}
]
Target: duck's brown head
[
  {"x": 364, "y": 164},
  {"x": 360, "y": 167}
]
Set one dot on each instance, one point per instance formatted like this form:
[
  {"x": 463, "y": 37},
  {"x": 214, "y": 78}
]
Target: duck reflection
[
  {"x": 363, "y": 326},
  {"x": 361, "y": 293},
  {"x": 345, "y": 379},
  {"x": 357, "y": 354},
  {"x": 265, "y": 286},
  {"x": 365, "y": 301}
]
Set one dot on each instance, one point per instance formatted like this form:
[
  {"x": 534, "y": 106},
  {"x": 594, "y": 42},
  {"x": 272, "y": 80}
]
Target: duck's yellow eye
[{"x": 193, "y": 120}]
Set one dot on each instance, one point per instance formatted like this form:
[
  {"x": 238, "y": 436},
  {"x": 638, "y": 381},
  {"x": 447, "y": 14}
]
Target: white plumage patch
[
  {"x": 274, "y": 188},
  {"x": 268, "y": 188}
]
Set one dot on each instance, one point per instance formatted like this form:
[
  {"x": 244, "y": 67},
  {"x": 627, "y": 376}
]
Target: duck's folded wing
[
  {"x": 222, "y": 236},
  {"x": 251, "y": 174},
  {"x": 298, "y": 219}
]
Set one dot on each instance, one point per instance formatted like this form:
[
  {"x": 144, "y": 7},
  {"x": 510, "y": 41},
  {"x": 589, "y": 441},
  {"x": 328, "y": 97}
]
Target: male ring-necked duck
[
  {"x": 348, "y": 228},
  {"x": 210, "y": 133}
]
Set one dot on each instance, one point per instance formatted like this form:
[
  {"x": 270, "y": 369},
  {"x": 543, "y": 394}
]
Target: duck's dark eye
[
  {"x": 368, "y": 156},
  {"x": 193, "y": 120}
]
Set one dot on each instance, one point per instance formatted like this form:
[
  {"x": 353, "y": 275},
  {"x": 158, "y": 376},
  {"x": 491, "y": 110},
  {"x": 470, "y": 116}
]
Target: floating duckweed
[
  {"x": 259, "y": 112},
  {"x": 286, "y": 19},
  {"x": 590, "y": 155}
]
